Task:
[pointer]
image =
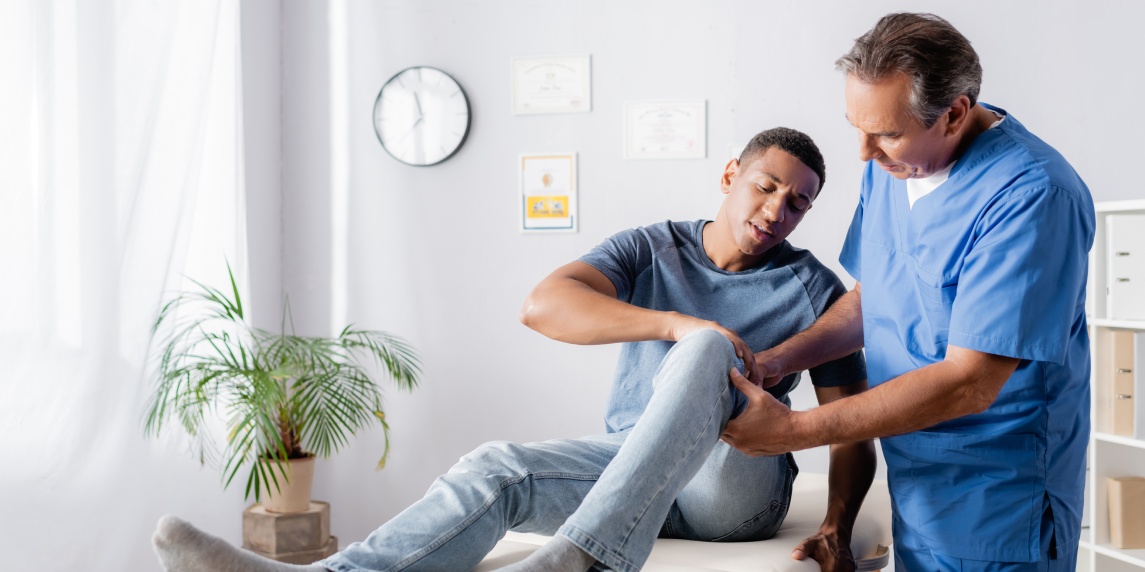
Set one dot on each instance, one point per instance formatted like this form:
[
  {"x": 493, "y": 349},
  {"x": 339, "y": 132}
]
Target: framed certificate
[
  {"x": 665, "y": 129},
  {"x": 552, "y": 85},
  {"x": 548, "y": 192}
]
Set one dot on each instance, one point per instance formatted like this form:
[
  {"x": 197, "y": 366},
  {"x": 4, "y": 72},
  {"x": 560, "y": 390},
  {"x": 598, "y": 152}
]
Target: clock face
[{"x": 421, "y": 116}]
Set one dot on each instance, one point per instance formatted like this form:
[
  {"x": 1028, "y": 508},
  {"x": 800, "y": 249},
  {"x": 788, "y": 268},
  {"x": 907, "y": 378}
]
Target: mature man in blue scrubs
[{"x": 970, "y": 247}]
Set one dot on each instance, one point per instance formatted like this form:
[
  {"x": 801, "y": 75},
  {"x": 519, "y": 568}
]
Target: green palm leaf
[{"x": 282, "y": 395}]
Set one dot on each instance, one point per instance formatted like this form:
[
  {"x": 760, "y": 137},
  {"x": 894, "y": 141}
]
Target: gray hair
[{"x": 938, "y": 59}]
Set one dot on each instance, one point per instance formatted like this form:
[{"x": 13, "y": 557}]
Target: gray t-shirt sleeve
[
  {"x": 824, "y": 288},
  {"x": 622, "y": 257}
]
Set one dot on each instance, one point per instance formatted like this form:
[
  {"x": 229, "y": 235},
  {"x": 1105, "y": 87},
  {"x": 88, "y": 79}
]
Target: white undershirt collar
[{"x": 918, "y": 188}]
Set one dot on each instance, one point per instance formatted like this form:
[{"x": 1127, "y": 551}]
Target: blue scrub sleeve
[
  {"x": 849, "y": 257},
  {"x": 1017, "y": 294}
]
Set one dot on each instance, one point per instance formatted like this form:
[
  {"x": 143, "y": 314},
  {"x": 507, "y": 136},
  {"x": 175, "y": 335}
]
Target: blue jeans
[{"x": 611, "y": 494}]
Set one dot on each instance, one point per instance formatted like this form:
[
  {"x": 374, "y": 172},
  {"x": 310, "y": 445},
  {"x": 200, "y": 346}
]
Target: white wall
[{"x": 433, "y": 254}]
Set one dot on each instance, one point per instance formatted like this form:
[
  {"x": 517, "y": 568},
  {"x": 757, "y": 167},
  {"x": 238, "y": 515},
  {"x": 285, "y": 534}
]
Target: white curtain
[{"x": 120, "y": 175}]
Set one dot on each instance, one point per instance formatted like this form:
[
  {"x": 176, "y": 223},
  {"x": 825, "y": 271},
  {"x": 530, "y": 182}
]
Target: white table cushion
[{"x": 870, "y": 541}]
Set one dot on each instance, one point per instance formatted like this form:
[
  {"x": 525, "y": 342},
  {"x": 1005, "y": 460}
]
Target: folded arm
[{"x": 577, "y": 304}]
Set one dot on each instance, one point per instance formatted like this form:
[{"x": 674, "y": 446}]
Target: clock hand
[
  {"x": 417, "y": 101},
  {"x": 406, "y": 134}
]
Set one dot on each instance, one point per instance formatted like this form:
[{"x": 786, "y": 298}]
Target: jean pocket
[
  {"x": 762, "y": 526},
  {"x": 766, "y": 523}
]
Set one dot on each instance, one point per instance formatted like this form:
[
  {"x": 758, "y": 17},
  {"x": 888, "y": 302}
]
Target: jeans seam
[
  {"x": 668, "y": 475},
  {"x": 489, "y": 501},
  {"x": 771, "y": 508}
]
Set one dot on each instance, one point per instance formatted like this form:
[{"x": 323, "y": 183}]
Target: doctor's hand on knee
[{"x": 766, "y": 426}]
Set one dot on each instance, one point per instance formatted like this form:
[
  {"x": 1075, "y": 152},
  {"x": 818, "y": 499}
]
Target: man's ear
[
  {"x": 958, "y": 114},
  {"x": 729, "y": 175}
]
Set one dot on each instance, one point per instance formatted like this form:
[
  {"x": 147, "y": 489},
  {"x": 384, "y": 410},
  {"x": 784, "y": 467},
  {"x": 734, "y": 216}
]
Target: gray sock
[
  {"x": 184, "y": 548},
  {"x": 557, "y": 555}
]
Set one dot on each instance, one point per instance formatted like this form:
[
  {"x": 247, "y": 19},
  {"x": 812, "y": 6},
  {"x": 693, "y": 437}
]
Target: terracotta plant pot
[{"x": 293, "y": 494}]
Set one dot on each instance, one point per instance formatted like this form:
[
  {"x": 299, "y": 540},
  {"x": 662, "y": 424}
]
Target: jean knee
[
  {"x": 706, "y": 352},
  {"x": 493, "y": 458},
  {"x": 707, "y": 341},
  {"x": 710, "y": 347},
  {"x": 491, "y": 471}
]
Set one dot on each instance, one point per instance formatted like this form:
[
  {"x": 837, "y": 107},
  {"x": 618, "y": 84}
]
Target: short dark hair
[
  {"x": 795, "y": 143},
  {"x": 938, "y": 59}
]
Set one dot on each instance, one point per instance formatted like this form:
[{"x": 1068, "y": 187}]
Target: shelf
[
  {"x": 1123, "y": 324},
  {"x": 1111, "y": 455},
  {"x": 1135, "y": 557},
  {"x": 1119, "y": 206},
  {"x": 1118, "y": 439}
]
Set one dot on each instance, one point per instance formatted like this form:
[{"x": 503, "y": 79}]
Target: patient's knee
[
  {"x": 492, "y": 458},
  {"x": 707, "y": 343},
  {"x": 700, "y": 359}
]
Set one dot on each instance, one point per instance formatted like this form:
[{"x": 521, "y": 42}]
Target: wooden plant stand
[{"x": 295, "y": 538}]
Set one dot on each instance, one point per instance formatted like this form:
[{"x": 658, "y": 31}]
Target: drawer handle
[
  {"x": 1124, "y": 371},
  {"x": 1121, "y": 254},
  {"x": 1121, "y": 280},
  {"x": 1124, "y": 396}
]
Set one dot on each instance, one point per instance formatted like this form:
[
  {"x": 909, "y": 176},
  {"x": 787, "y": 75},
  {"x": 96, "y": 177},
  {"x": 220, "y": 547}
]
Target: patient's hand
[
  {"x": 687, "y": 324},
  {"x": 769, "y": 368},
  {"x": 832, "y": 552}
]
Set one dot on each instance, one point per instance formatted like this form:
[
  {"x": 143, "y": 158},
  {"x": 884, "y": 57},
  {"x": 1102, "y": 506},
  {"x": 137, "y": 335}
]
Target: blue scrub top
[{"x": 994, "y": 260}]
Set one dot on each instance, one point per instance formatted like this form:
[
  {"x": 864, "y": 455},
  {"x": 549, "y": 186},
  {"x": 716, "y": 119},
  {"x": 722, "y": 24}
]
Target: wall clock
[{"x": 421, "y": 116}]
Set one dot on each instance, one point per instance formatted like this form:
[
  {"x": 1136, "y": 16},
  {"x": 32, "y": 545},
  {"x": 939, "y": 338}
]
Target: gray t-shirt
[{"x": 664, "y": 267}]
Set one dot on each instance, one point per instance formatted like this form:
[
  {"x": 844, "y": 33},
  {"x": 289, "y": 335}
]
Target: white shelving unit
[{"x": 1110, "y": 455}]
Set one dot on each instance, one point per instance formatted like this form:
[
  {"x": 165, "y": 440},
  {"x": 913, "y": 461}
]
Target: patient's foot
[
  {"x": 557, "y": 555},
  {"x": 184, "y": 548}
]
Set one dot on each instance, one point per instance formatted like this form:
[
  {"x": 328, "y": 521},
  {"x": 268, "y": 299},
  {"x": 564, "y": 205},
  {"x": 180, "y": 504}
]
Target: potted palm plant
[{"x": 283, "y": 398}]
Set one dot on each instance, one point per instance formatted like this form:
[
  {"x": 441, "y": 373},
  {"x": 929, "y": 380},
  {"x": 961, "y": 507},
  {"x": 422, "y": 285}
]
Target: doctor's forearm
[{"x": 966, "y": 382}]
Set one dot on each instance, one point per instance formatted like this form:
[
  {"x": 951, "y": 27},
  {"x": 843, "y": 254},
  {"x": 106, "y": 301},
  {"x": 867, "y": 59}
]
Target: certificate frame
[
  {"x": 547, "y": 199},
  {"x": 666, "y": 129},
  {"x": 551, "y": 84}
]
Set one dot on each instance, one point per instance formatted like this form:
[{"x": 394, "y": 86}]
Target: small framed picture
[{"x": 548, "y": 200}]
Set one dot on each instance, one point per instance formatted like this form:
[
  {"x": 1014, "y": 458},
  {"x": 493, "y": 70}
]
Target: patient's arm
[
  {"x": 577, "y": 304},
  {"x": 851, "y": 473},
  {"x": 837, "y": 333}
]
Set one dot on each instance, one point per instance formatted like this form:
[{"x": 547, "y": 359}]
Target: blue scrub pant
[{"x": 912, "y": 555}]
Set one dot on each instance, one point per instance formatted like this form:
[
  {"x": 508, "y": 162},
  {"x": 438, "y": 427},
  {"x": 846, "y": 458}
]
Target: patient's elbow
[
  {"x": 530, "y": 314},
  {"x": 526, "y": 315}
]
